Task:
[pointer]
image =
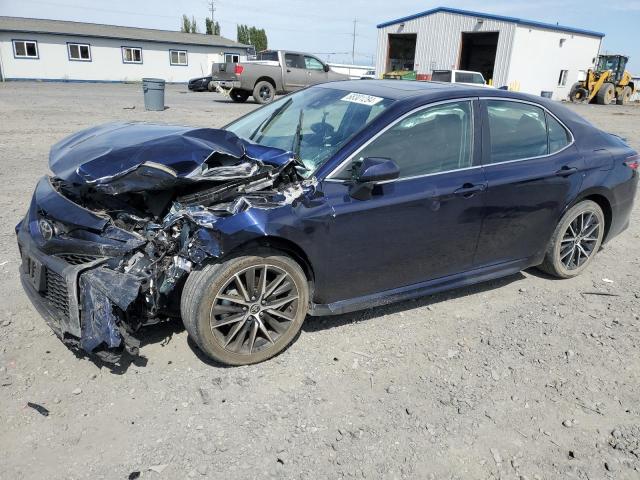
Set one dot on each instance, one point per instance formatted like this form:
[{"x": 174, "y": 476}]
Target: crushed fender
[{"x": 170, "y": 196}]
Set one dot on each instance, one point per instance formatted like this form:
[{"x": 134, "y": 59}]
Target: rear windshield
[
  {"x": 469, "y": 77},
  {"x": 268, "y": 55},
  {"x": 441, "y": 76}
]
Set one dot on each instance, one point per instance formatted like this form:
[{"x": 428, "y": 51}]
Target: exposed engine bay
[{"x": 150, "y": 200}]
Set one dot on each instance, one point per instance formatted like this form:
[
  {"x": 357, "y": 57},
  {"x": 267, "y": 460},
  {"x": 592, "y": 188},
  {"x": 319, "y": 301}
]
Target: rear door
[
  {"x": 533, "y": 171},
  {"x": 295, "y": 72}
]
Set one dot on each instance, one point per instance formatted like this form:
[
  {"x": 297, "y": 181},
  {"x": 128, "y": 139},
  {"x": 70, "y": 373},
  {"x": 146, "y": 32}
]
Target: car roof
[{"x": 418, "y": 93}]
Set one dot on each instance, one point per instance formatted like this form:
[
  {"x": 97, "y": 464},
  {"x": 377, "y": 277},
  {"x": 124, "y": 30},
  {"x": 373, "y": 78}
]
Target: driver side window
[
  {"x": 433, "y": 140},
  {"x": 313, "y": 63}
]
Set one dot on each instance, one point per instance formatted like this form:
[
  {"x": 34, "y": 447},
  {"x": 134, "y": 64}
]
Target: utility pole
[
  {"x": 353, "y": 44},
  {"x": 212, "y": 6}
]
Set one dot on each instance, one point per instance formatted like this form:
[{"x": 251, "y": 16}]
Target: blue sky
[{"x": 325, "y": 26}]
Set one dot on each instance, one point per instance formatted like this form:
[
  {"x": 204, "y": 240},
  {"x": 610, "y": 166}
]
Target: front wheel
[
  {"x": 606, "y": 94},
  {"x": 575, "y": 240},
  {"x": 246, "y": 309}
]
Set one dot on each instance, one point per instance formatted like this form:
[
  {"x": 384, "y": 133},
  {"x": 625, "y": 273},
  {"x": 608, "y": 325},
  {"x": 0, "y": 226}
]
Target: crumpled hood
[{"x": 102, "y": 154}]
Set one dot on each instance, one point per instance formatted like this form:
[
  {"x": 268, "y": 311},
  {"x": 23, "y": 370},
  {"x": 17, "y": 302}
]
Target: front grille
[
  {"x": 77, "y": 258},
  {"x": 56, "y": 292}
]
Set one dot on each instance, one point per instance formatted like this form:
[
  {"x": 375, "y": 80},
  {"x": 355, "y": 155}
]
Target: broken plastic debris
[{"x": 39, "y": 408}]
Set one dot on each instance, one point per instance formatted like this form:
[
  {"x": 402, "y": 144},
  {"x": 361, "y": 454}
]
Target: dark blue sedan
[{"x": 336, "y": 198}]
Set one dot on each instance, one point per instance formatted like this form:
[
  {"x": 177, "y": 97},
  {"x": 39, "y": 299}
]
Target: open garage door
[
  {"x": 402, "y": 51},
  {"x": 478, "y": 52}
]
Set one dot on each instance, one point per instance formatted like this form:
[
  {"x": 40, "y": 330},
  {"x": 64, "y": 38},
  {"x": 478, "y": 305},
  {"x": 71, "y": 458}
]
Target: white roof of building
[{"x": 62, "y": 27}]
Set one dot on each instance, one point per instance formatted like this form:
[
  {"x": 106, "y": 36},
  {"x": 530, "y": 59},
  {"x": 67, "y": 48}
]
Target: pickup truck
[
  {"x": 459, "y": 76},
  {"x": 274, "y": 72}
]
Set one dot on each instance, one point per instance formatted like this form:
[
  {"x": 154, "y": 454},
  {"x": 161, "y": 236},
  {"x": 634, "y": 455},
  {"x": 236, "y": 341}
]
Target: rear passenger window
[
  {"x": 517, "y": 131},
  {"x": 558, "y": 135},
  {"x": 435, "y": 139}
]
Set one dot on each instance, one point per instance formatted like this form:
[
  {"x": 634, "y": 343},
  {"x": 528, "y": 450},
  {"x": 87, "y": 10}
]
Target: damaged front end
[{"x": 129, "y": 211}]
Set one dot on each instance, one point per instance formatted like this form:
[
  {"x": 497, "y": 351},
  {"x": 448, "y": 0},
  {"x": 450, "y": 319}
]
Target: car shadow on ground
[
  {"x": 322, "y": 323},
  {"x": 164, "y": 332}
]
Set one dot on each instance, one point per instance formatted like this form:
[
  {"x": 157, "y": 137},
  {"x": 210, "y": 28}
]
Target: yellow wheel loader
[{"x": 606, "y": 83}]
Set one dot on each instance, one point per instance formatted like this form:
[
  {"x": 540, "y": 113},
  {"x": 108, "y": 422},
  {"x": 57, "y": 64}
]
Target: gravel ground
[{"x": 525, "y": 377}]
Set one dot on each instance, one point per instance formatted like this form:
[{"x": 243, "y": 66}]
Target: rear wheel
[
  {"x": 247, "y": 309},
  {"x": 238, "y": 96},
  {"x": 606, "y": 94},
  {"x": 264, "y": 92},
  {"x": 624, "y": 96},
  {"x": 575, "y": 240}
]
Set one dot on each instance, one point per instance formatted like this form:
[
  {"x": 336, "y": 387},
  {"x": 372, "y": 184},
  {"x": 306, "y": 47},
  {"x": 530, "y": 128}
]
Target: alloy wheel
[
  {"x": 579, "y": 240},
  {"x": 254, "y": 308}
]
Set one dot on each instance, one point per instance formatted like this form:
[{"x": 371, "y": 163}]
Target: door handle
[
  {"x": 468, "y": 190},
  {"x": 566, "y": 171},
  {"x": 288, "y": 71}
]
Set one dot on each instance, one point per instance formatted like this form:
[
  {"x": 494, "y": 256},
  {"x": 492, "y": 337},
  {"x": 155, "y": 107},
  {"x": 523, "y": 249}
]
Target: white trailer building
[
  {"x": 35, "y": 49},
  {"x": 525, "y": 55}
]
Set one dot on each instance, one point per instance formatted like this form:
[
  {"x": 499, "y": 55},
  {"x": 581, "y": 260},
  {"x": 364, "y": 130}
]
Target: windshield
[
  {"x": 313, "y": 123},
  {"x": 607, "y": 63}
]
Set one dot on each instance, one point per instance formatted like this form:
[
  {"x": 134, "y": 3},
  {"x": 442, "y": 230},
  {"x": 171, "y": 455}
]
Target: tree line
[{"x": 248, "y": 35}]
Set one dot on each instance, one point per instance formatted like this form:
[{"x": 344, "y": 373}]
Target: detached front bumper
[
  {"x": 226, "y": 84},
  {"x": 51, "y": 283}
]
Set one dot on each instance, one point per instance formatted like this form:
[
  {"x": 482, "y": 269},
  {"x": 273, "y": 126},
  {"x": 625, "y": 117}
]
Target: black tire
[
  {"x": 200, "y": 300},
  {"x": 624, "y": 96},
  {"x": 561, "y": 259},
  {"x": 606, "y": 94},
  {"x": 238, "y": 96},
  {"x": 264, "y": 92},
  {"x": 578, "y": 94},
  {"x": 211, "y": 87}
]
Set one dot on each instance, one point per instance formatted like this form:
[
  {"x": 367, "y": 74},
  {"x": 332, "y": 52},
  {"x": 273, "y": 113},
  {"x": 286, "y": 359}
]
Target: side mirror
[
  {"x": 326, "y": 67},
  {"x": 374, "y": 169},
  {"x": 371, "y": 171}
]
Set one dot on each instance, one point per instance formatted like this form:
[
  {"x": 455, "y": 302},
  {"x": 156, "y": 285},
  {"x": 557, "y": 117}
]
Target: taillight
[
  {"x": 239, "y": 69},
  {"x": 633, "y": 162}
]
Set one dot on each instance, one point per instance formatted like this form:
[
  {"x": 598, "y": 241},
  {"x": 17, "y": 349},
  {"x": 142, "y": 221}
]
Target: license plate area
[{"x": 35, "y": 272}]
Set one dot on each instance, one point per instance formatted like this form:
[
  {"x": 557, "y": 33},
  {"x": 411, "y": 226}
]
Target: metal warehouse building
[
  {"x": 528, "y": 56},
  {"x": 34, "y": 49}
]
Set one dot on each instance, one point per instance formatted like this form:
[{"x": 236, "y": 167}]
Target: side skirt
[{"x": 421, "y": 289}]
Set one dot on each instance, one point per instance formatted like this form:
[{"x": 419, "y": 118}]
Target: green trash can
[{"x": 153, "y": 89}]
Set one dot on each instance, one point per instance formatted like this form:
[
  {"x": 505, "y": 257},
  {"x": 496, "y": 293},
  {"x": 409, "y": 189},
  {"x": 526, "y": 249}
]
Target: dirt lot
[{"x": 525, "y": 377}]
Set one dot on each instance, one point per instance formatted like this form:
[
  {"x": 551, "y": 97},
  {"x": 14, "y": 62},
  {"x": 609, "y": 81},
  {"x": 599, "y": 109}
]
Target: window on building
[
  {"x": 433, "y": 140},
  {"x": 517, "y": 131},
  {"x": 562, "y": 79},
  {"x": 178, "y": 57},
  {"x": 79, "y": 51},
  {"x": 25, "y": 49},
  {"x": 231, "y": 58},
  {"x": 131, "y": 55}
]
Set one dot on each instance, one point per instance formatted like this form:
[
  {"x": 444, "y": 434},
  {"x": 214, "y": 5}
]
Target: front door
[
  {"x": 422, "y": 226},
  {"x": 315, "y": 70},
  {"x": 533, "y": 171}
]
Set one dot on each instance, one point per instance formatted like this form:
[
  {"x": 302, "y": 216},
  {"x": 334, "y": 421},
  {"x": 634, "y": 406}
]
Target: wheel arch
[
  {"x": 599, "y": 196},
  {"x": 280, "y": 244},
  {"x": 265, "y": 79}
]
